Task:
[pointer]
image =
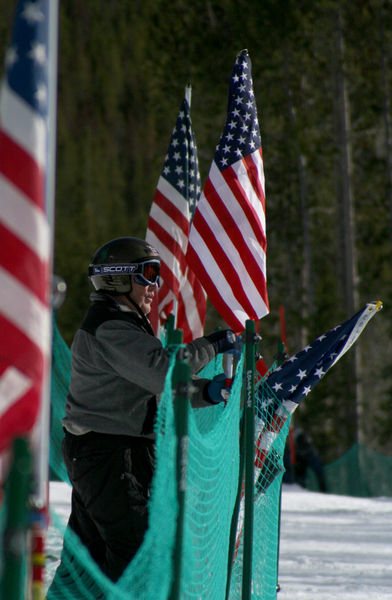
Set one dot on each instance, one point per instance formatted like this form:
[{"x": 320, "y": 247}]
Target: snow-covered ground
[
  {"x": 331, "y": 547},
  {"x": 335, "y": 547}
]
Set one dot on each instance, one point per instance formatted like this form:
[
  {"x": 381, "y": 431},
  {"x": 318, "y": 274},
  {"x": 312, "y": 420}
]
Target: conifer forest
[{"x": 322, "y": 75}]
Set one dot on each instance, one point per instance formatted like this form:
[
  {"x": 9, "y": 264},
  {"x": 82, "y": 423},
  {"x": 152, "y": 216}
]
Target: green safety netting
[
  {"x": 60, "y": 376},
  {"x": 360, "y": 472},
  {"x": 211, "y": 491}
]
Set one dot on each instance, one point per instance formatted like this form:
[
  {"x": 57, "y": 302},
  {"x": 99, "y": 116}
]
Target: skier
[{"x": 118, "y": 373}]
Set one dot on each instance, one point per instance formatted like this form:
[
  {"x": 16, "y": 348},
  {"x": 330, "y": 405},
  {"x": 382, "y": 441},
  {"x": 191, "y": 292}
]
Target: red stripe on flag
[
  {"x": 182, "y": 322},
  {"x": 20, "y": 417},
  {"x": 166, "y": 311},
  {"x": 192, "y": 324},
  {"x": 20, "y": 351},
  {"x": 198, "y": 294},
  {"x": 260, "y": 456},
  {"x": 233, "y": 279},
  {"x": 230, "y": 226},
  {"x": 253, "y": 175},
  {"x": 165, "y": 295},
  {"x": 172, "y": 211},
  {"x": 251, "y": 215},
  {"x": 23, "y": 264},
  {"x": 170, "y": 281},
  {"x": 23, "y": 172},
  {"x": 276, "y": 424},
  {"x": 223, "y": 309},
  {"x": 186, "y": 317},
  {"x": 168, "y": 241},
  {"x": 165, "y": 308}
]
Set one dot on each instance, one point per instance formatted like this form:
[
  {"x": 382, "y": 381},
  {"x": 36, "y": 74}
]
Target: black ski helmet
[{"x": 112, "y": 265}]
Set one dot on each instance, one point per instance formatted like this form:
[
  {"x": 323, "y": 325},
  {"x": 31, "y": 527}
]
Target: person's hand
[
  {"x": 216, "y": 389},
  {"x": 226, "y": 341},
  {"x": 237, "y": 347}
]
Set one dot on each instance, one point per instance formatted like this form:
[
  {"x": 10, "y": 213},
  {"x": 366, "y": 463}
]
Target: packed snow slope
[
  {"x": 331, "y": 547},
  {"x": 334, "y": 547}
]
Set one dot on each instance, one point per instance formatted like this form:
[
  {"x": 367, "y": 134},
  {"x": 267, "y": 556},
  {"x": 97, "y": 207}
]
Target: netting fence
[
  {"x": 212, "y": 564},
  {"x": 361, "y": 471},
  {"x": 212, "y": 484}
]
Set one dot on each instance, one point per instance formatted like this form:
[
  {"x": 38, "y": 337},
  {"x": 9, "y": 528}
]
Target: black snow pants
[{"x": 111, "y": 477}]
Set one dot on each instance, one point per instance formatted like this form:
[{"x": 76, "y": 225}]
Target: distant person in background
[{"x": 307, "y": 457}]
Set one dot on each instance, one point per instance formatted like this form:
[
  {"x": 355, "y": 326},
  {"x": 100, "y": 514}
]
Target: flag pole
[
  {"x": 188, "y": 93},
  {"x": 236, "y": 512},
  {"x": 180, "y": 383},
  {"x": 251, "y": 338},
  {"x": 41, "y": 433},
  {"x": 281, "y": 356},
  {"x": 42, "y": 430},
  {"x": 188, "y": 98}
]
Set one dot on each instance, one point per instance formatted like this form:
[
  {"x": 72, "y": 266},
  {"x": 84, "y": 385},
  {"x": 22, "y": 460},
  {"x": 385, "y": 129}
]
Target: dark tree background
[{"x": 322, "y": 79}]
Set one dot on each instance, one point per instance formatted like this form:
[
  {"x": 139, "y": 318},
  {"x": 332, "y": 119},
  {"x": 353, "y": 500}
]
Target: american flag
[
  {"x": 227, "y": 243},
  {"x": 25, "y": 233},
  {"x": 174, "y": 203},
  {"x": 281, "y": 392}
]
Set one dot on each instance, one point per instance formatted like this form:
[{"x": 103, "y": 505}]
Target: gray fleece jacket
[{"x": 118, "y": 372}]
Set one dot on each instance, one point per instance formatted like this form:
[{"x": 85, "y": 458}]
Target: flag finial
[{"x": 188, "y": 93}]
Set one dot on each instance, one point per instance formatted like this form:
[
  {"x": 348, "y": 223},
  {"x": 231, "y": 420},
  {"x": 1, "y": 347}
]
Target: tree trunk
[
  {"x": 386, "y": 113},
  {"x": 307, "y": 288},
  {"x": 345, "y": 213}
]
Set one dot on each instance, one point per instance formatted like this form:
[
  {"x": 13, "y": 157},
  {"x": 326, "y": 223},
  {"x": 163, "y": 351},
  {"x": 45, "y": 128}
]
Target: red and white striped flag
[
  {"x": 171, "y": 212},
  {"x": 227, "y": 242},
  {"x": 25, "y": 249}
]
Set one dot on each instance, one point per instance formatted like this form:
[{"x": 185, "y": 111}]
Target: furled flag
[
  {"x": 281, "y": 392},
  {"x": 24, "y": 230},
  {"x": 174, "y": 203},
  {"x": 227, "y": 243}
]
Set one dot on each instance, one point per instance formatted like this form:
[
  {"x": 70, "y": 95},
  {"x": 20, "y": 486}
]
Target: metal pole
[
  {"x": 249, "y": 419},
  {"x": 236, "y": 511},
  {"x": 280, "y": 361},
  {"x": 169, "y": 327},
  {"x": 41, "y": 434},
  {"x": 181, "y": 378}
]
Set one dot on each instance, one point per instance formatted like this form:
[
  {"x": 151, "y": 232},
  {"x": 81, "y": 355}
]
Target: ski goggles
[{"x": 146, "y": 272}]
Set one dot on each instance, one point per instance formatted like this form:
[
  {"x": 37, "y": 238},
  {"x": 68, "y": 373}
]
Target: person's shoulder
[
  {"x": 121, "y": 321},
  {"x": 104, "y": 309}
]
